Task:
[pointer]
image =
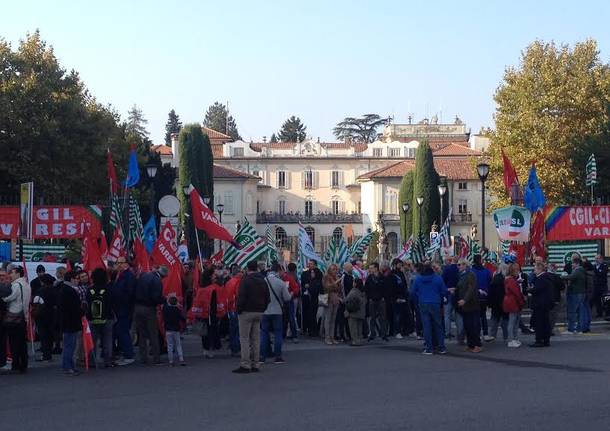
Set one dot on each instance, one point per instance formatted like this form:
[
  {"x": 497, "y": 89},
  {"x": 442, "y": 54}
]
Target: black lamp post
[
  {"x": 151, "y": 171},
  {"x": 220, "y": 208},
  {"x": 483, "y": 171},
  {"x": 442, "y": 190},
  {"x": 405, "y": 209},
  {"x": 420, "y": 202}
]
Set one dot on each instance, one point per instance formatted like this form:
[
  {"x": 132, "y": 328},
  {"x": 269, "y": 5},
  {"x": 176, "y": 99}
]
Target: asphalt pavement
[{"x": 381, "y": 386}]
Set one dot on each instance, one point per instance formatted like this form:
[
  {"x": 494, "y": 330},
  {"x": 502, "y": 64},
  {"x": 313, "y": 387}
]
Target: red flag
[
  {"x": 217, "y": 258},
  {"x": 114, "y": 182},
  {"x": 537, "y": 236},
  {"x": 117, "y": 246},
  {"x": 103, "y": 245},
  {"x": 141, "y": 258},
  {"x": 518, "y": 250},
  {"x": 196, "y": 274},
  {"x": 172, "y": 284},
  {"x": 206, "y": 221},
  {"x": 165, "y": 250},
  {"x": 91, "y": 256},
  {"x": 87, "y": 341},
  {"x": 510, "y": 174},
  {"x": 464, "y": 249}
]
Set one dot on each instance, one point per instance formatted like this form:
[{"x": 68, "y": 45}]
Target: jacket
[
  {"x": 467, "y": 291},
  {"x": 172, "y": 317},
  {"x": 542, "y": 292},
  {"x": 578, "y": 281},
  {"x": 122, "y": 294},
  {"x": 204, "y": 303},
  {"x": 429, "y": 288},
  {"x": 293, "y": 284},
  {"x": 451, "y": 275},
  {"x": 495, "y": 296},
  {"x": 347, "y": 284},
  {"x": 513, "y": 298},
  {"x": 19, "y": 299},
  {"x": 253, "y": 295},
  {"x": 280, "y": 290},
  {"x": 558, "y": 286},
  {"x": 149, "y": 290},
  {"x": 311, "y": 280},
  {"x": 483, "y": 280},
  {"x": 70, "y": 310},
  {"x": 601, "y": 277},
  {"x": 232, "y": 287},
  {"x": 373, "y": 287},
  {"x": 401, "y": 290},
  {"x": 356, "y": 296},
  {"x": 99, "y": 313}
]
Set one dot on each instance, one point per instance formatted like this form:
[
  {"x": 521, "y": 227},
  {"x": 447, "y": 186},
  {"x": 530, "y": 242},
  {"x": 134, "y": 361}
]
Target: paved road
[{"x": 377, "y": 387}]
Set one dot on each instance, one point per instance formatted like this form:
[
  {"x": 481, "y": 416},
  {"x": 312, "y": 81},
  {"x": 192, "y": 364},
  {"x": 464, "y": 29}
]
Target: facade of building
[{"x": 337, "y": 188}]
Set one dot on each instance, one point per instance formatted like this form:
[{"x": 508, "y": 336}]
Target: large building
[{"x": 337, "y": 188}]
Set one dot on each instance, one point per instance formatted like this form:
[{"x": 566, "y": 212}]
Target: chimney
[
  {"x": 175, "y": 155},
  {"x": 264, "y": 139}
]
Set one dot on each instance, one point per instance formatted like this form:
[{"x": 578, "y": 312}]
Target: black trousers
[
  {"x": 45, "y": 334},
  {"x": 472, "y": 328},
  {"x": 3, "y": 341},
  {"x": 19, "y": 349},
  {"x": 542, "y": 324}
]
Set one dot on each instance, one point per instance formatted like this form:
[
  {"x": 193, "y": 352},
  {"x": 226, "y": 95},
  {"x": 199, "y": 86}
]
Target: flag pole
[{"x": 198, "y": 247}]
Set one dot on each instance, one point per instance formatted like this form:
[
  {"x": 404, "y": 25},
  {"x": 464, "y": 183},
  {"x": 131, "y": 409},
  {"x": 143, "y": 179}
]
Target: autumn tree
[{"x": 553, "y": 109}]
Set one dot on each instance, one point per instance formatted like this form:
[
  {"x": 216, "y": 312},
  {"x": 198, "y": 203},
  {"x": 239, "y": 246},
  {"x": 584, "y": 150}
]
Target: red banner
[
  {"x": 205, "y": 220},
  {"x": 577, "y": 223},
  {"x": 165, "y": 250},
  {"x": 53, "y": 221}
]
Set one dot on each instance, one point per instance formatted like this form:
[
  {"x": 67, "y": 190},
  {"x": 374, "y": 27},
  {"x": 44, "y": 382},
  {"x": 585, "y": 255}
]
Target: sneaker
[
  {"x": 518, "y": 343},
  {"x": 71, "y": 373},
  {"x": 182, "y": 364},
  {"x": 488, "y": 338},
  {"x": 442, "y": 352},
  {"x": 419, "y": 337},
  {"x": 279, "y": 360},
  {"x": 255, "y": 370},
  {"x": 399, "y": 336},
  {"x": 125, "y": 361},
  {"x": 475, "y": 349},
  {"x": 513, "y": 344},
  {"x": 241, "y": 370},
  {"x": 426, "y": 352},
  {"x": 567, "y": 332}
]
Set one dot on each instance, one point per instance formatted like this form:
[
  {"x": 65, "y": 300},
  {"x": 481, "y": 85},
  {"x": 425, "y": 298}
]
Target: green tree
[
  {"x": 425, "y": 184},
  {"x": 553, "y": 109},
  {"x": 217, "y": 118},
  {"x": 293, "y": 130},
  {"x": 273, "y": 138},
  {"x": 359, "y": 129},
  {"x": 52, "y": 130},
  {"x": 137, "y": 134},
  {"x": 172, "y": 126},
  {"x": 196, "y": 168},
  {"x": 405, "y": 195}
]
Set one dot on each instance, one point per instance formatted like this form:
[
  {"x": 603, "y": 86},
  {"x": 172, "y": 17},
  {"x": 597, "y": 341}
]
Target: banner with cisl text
[
  {"x": 49, "y": 222},
  {"x": 576, "y": 223},
  {"x": 512, "y": 223}
]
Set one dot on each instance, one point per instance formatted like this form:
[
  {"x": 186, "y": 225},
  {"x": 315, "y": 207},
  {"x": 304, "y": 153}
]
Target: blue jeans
[
  {"x": 233, "y": 332},
  {"x": 67, "y": 354},
  {"x": 434, "y": 336},
  {"x": 575, "y": 303},
  {"x": 448, "y": 314},
  {"x": 122, "y": 330},
  {"x": 292, "y": 317},
  {"x": 274, "y": 320},
  {"x": 585, "y": 315}
]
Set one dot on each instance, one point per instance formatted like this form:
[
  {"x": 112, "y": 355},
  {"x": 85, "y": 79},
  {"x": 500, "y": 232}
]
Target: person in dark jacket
[
  {"x": 375, "y": 292},
  {"x": 468, "y": 306},
  {"x": 311, "y": 285},
  {"x": 252, "y": 301},
  {"x": 451, "y": 276},
  {"x": 483, "y": 281},
  {"x": 45, "y": 314},
  {"x": 542, "y": 302},
  {"x": 400, "y": 304},
  {"x": 430, "y": 291},
  {"x": 122, "y": 294},
  {"x": 600, "y": 285},
  {"x": 495, "y": 299},
  {"x": 5, "y": 290},
  {"x": 347, "y": 283},
  {"x": 70, "y": 312},
  {"x": 100, "y": 315},
  {"x": 558, "y": 287},
  {"x": 149, "y": 294},
  {"x": 172, "y": 319}
]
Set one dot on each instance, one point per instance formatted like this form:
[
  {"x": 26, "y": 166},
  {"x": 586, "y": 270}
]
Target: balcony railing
[
  {"x": 461, "y": 218},
  {"x": 308, "y": 218}
]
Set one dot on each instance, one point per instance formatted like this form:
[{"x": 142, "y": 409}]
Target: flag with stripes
[
  {"x": 561, "y": 253},
  {"x": 115, "y": 212},
  {"x": 272, "y": 254},
  {"x": 307, "y": 251},
  {"x": 252, "y": 247},
  {"x": 136, "y": 228},
  {"x": 359, "y": 246},
  {"x": 442, "y": 239},
  {"x": 405, "y": 253},
  {"x": 337, "y": 252},
  {"x": 591, "y": 171},
  {"x": 473, "y": 248},
  {"x": 418, "y": 251}
]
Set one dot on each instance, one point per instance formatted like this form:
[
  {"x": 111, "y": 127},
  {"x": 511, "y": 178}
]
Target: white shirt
[{"x": 15, "y": 304}]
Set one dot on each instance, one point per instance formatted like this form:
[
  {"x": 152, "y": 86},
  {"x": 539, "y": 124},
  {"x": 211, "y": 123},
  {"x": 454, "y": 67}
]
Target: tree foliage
[
  {"x": 405, "y": 195},
  {"x": 273, "y": 138},
  {"x": 553, "y": 109},
  {"x": 172, "y": 126},
  {"x": 293, "y": 130},
  {"x": 359, "y": 129},
  {"x": 425, "y": 184},
  {"x": 217, "y": 118},
  {"x": 52, "y": 131}
]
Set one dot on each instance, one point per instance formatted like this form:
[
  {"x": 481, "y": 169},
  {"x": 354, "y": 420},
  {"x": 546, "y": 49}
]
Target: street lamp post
[
  {"x": 442, "y": 189},
  {"x": 483, "y": 171},
  {"x": 420, "y": 202},
  {"x": 151, "y": 171},
  {"x": 405, "y": 209},
  {"x": 220, "y": 208}
]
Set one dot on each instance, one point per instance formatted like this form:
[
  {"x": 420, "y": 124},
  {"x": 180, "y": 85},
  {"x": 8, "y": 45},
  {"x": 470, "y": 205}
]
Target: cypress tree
[
  {"x": 405, "y": 195},
  {"x": 425, "y": 184}
]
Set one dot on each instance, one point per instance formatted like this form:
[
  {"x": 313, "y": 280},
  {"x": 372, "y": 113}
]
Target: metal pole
[
  {"x": 441, "y": 211},
  {"x": 198, "y": 247},
  {"x": 482, "y": 214}
]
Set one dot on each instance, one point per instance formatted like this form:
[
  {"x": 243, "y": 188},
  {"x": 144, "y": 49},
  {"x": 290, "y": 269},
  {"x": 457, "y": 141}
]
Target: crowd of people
[{"x": 254, "y": 310}]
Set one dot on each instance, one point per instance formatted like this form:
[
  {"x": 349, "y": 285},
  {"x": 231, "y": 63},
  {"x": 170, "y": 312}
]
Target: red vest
[
  {"x": 222, "y": 298},
  {"x": 232, "y": 288},
  {"x": 201, "y": 302}
]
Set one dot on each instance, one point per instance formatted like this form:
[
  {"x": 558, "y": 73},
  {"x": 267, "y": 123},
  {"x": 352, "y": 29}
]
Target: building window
[
  {"x": 337, "y": 206},
  {"x": 281, "y": 239},
  {"x": 309, "y": 179},
  {"x": 393, "y": 243},
  {"x": 281, "y": 206},
  {"x": 238, "y": 152},
  {"x": 258, "y": 207},
  {"x": 228, "y": 202},
  {"x": 308, "y": 208},
  {"x": 463, "y": 206},
  {"x": 334, "y": 179},
  {"x": 410, "y": 153},
  {"x": 311, "y": 233},
  {"x": 249, "y": 203},
  {"x": 463, "y": 185},
  {"x": 391, "y": 203},
  {"x": 394, "y": 152},
  {"x": 377, "y": 152},
  {"x": 337, "y": 234},
  {"x": 281, "y": 180},
  {"x": 359, "y": 207}
]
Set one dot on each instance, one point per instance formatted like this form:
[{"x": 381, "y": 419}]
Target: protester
[
  {"x": 585, "y": 315},
  {"x": 100, "y": 315},
  {"x": 332, "y": 287},
  {"x": 272, "y": 317},
  {"x": 542, "y": 302},
  {"x": 232, "y": 287},
  {"x": 483, "y": 281},
  {"x": 44, "y": 312},
  {"x": 342, "y": 332},
  {"x": 70, "y": 312},
  {"x": 148, "y": 295},
  {"x": 513, "y": 303},
  {"x": 495, "y": 300},
  {"x": 122, "y": 293},
  {"x": 600, "y": 285},
  {"x": 5, "y": 290},
  {"x": 430, "y": 291},
  {"x": 172, "y": 320},
  {"x": 468, "y": 306},
  {"x": 16, "y": 318},
  {"x": 36, "y": 283},
  {"x": 292, "y": 279},
  {"x": 558, "y": 287},
  {"x": 252, "y": 301},
  {"x": 205, "y": 313},
  {"x": 374, "y": 289},
  {"x": 311, "y": 283},
  {"x": 575, "y": 295},
  {"x": 400, "y": 304},
  {"x": 355, "y": 307},
  {"x": 451, "y": 276}
]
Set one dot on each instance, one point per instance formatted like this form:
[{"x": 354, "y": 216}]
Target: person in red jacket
[
  {"x": 513, "y": 303},
  {"x": 204, "y": 313},
  {"x": 231, "y": 288},
  {"x": 294, "y": 288}
]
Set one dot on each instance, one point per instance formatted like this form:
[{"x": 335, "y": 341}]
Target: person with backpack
[
  {"x": 355, "y": 310},
  {"x": 495, "y": 300},
  {"x": 100, "y": 315},
  {"x": 513, "y": 303}
]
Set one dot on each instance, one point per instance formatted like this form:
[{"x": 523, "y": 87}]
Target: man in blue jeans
[
  {"x": 70, "y": 312},
  {"x": 430, "y": 291},
  {"x": 575, "y": 295},
  {"x": 272, "y": 317}
]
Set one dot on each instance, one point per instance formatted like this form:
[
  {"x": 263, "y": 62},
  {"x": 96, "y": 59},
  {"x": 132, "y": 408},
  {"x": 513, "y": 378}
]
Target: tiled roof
[
  {"x": 360, "y": 148},
  {"x": 455, "y": 150},
  {"x": 213, "y": 134},
  {"x": 163, "y": 150},
  {"x": 217, "y": 150},
  {"x": 453, "y": 169},
  {"x": 224, "y": 172},
  {"x": 258, "y": 146}
]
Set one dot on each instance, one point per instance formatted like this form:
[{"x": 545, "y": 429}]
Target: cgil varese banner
[
  {"x": 165, "y": 250},
  {"x": 577, "y": 222},
  {"x": 53, "y": 221}
]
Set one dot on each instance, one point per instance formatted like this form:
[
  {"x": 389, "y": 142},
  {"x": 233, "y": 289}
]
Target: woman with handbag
[
  {"x": 15, "y": 319},
  {"x": 332, "y": 287},
  {"x": 513, "y": 303}
]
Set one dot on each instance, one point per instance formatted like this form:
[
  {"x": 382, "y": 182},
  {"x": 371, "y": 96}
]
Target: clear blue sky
[{"x": 320, "y": 60}]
